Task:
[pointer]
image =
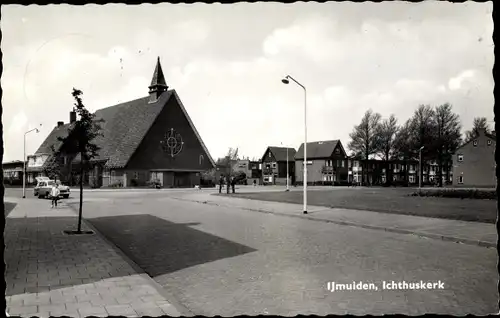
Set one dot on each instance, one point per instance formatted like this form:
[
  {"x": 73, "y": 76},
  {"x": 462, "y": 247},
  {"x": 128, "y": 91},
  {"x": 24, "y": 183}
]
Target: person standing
[
  {"x": 54, "y": 193},
  {"x": 233, "y": 182},
  {"x": 228, "y": 183},
  {"x": 221, "y": 183}
]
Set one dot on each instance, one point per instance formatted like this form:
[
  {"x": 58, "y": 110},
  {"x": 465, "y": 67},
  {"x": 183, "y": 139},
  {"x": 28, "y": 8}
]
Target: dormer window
[
  {"x": 474, "y": 143},
  {"x": 460, "y": 158},
  {"x": 337, "y": 151},
  {"x": 489, "y": 142}
]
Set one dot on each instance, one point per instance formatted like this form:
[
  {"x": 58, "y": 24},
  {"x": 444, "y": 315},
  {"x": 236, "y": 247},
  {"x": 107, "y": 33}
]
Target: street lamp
[
  {"x": 286, "y": 80},
  {"x": 287, "y": 170},
  {"x": 420, "y": 169},
  {"x": 24, "y": 160}
]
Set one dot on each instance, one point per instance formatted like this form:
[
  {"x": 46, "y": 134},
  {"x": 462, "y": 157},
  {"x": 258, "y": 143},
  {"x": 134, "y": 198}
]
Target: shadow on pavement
[
  {"x": 9, "y": 206},
  {"x": 161, "y": 247},
  {"x": 39, "y": 257}
]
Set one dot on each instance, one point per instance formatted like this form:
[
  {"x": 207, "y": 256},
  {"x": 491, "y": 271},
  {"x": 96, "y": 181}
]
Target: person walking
[
  {"x": 221, "y": 183},
  {"x": 54, "y": 193}
]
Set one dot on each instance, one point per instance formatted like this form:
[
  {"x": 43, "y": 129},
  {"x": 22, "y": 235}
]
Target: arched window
[{"x": 201, "y": 159}]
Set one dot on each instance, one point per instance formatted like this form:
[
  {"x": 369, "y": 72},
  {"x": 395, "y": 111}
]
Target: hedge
[{"x": 458, "y": 193}]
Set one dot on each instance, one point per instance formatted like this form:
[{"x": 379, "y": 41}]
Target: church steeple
[{"x": 158, "y": 83}]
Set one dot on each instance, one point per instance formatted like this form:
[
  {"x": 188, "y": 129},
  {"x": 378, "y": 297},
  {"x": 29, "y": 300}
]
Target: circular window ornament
[{"x": 172, "y": 143}]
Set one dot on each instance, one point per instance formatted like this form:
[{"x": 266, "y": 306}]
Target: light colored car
[{"x": 44, "y": 186}]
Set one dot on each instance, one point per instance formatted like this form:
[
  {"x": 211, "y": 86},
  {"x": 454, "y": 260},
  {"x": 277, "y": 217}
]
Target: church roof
[{"x": 124, "y": 127}]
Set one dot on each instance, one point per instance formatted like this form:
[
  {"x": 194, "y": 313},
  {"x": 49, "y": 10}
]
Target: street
[{"x": 228, "y": 261}]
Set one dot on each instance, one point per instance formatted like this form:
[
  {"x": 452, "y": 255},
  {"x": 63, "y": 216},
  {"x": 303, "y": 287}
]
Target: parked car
[{"x": 44, "y": 186}]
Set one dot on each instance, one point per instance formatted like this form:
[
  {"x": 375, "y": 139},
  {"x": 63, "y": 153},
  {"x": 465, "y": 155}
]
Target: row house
[
  {"x": 274, "y": 165},
  {"x": 474, "y": 163},
  {"x": 377, "y": 172},
  {"x": 327, "y": 161}
]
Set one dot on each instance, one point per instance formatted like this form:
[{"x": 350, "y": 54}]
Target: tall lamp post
[
  {"x": 420, "y": 169},
  {"x": 286, "y": 80},
  {"x": 287, "y": 171},
  {"x": 24, "y": 160}
]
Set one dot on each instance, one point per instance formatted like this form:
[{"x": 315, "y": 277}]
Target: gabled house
[
  {"x": 474, "y": 162},
  {"x": 13, "y": 172},
  {"x": 146, "y": 139},
  {"x": 327, "y": 161},
  {"x": 274, "y": 165}
]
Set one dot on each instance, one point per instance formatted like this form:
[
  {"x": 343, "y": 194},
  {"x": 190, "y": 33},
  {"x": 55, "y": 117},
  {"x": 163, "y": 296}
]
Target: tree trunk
[{"x": 81, "y": 196}]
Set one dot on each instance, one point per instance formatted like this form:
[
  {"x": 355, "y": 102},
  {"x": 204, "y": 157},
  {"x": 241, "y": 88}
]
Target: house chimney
[
  {"x": 72, "y": 117},
  {"x": 60, "y": 124}
]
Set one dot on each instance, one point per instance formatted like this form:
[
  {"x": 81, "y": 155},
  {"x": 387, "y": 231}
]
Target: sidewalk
[
  {"x": 49, "y": 273},
  {"x": 472, "y": 233}
]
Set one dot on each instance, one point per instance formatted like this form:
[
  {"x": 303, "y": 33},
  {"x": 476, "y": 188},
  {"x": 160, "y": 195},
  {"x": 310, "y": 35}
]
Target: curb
[
  {"x": 183, "y": 311},
  {"x": 360, "y": 225}
]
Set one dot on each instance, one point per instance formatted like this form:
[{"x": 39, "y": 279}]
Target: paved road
[{"x": 227, "y": 261}]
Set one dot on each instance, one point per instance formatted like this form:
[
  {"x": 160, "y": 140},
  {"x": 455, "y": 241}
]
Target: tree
[
  {"x": 364, "y": 138},
  {"x": 447, "y": 138},
  {"x": 423, "y": 130},
  {"x": 80, "y": 141},
  {"x": 478, "y": 124},
  {"x": 386, "y": 137},
  {"x": 403, "y": 145},
  {"x": 232, "y": 153}
]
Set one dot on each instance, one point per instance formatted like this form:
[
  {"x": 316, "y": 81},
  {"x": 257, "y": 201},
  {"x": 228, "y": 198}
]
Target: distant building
[
  {"x": 274, "y": 165},
  {"x": 327, "y": 161},
  {"x": 378, "y": 172},
  {"x": 474, "y": 163},
  {"x": 13, "y": 172},
  {"x": 150, "y": 138}
]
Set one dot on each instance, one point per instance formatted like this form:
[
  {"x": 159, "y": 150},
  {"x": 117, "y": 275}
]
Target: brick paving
[
  {"x": 472, "y": 233},
  {"x": 51, "y": 274},
  {"x": 256, "y": 263}
]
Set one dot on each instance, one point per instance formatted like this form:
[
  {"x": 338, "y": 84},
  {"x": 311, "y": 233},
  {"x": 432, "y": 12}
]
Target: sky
[{"x": 226, "y": 62}]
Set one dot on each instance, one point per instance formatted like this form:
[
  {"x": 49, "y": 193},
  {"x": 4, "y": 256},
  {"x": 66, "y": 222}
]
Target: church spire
[{"x": 158, "y": 84}]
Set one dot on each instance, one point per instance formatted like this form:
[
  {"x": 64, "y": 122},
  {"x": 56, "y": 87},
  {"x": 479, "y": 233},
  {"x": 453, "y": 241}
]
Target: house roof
[
  {"x": 53, "y": 139},
  {"x": 491, "y": 135},
  {"x": 280, "y": 153},
  {"x": 317, "y": 149}
]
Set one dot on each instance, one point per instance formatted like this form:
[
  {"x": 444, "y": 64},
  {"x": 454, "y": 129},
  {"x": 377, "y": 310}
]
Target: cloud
[{"x": 455, "y": 83}]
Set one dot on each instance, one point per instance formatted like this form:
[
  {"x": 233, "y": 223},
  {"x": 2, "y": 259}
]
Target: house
[
  {"x": 13, "y": 172},
  {"x": 274, "y": 165},
  {"x": 474, "y": 162},
  {"x": 377, "y": 173},
  {"x": 327, "y": 161},
  {"x": 150, "y": 138}
]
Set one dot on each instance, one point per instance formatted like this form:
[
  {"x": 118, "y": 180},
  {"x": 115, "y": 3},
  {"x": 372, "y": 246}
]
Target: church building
[{"x": 150, "y": 138}]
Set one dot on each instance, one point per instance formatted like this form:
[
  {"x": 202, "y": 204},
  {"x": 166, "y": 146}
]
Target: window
[
  {"x": 460, "y": 158},
  {"x": 489, "y": 142},
  {"x": 460, "y": 179},
  {"x": 269, "y": 154},
  {"x": 201, "y": 159},
  {"x": 113, "y": 173},
  {"x": 411, "y": 179},
  {"x": 274, "y": 164},
  {"x": 474, "y": 143},
  {"x": 349, "y": 163},
  {"x": 136, "y": 175},
  {"x": 342, "y": 163},
  {"x": 309, "y": 162}
]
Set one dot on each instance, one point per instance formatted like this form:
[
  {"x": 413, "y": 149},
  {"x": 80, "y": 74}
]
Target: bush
[
  {"x": 154, "y": 183},
  {"x": 134, "y": 182},
  {"x": 115, "y": 184},
  {"x": 458, "y": 193}
]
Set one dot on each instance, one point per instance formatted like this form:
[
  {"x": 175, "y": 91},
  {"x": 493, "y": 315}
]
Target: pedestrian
[
  {"x": 228, "y": 182},
  {"x": 254, "y": 183},
  {"x": 233, "y": 182},
  {"x": 54, "y": 193},
  {"x": 221, "y": 183}
]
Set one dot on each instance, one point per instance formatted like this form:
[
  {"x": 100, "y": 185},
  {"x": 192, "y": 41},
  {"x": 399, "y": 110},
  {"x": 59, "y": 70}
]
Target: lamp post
[
  {"x": 286, "y": 80},
  {"x": 287, "y": 171},
  {"x": 420, "y": 169},
  {"x": 24, "y": 160}
]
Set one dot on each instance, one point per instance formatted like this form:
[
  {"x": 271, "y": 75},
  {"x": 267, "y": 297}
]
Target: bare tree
[
  {"x": 403, "y": 145},
  {"x": 478, "y": 124},
  {"x": 386, "y": 138},
  {"x": 447, "y": 138},
  {"x": 364, "y": 138}
]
